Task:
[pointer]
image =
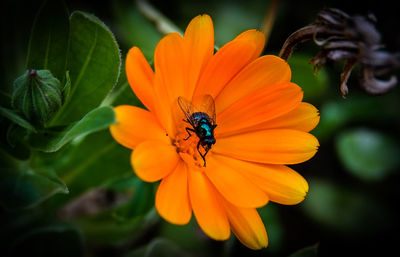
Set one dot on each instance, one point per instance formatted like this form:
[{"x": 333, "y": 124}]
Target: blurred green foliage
[
  {"x": 313, "y": 84},
  {"x": 67, "y": 188},
  {"x": 367, "y": 154}
]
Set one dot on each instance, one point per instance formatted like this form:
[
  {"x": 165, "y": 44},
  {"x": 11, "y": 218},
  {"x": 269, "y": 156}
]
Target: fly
[{"x": 202, "y": 121}]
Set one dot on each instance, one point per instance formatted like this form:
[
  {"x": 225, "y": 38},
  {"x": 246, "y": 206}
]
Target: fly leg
[
  {"x": 202, "y": 156},
  {"x": 187, "y": 130}
]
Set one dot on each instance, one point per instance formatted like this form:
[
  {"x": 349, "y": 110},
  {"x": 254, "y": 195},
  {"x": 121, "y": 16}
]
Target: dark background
[{"x": 345, "y": 212}]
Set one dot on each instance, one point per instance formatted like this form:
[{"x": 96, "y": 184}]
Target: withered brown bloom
[{"x": 352, "y": 39}]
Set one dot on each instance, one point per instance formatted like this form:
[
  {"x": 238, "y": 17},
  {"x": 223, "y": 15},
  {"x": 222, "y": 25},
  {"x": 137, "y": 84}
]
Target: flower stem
[
  {"x": 162, "y": 23},
  {"x": 300, "y": 36}
]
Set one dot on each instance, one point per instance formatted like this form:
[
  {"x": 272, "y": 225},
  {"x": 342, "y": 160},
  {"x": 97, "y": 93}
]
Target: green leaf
[
  {"x": 93, "y": 63},
  {"x": 95, "y": 120},
  {"x": 22, "y": 186},
  {"x": 16, "y": 118},
  {"x": 61, "y": 240},
  {"x": 367, "y": 154},
  {"x": 48, "y": 44},
  {"x": 313, "y": 85},
  {"x": 92, "y": 162}
]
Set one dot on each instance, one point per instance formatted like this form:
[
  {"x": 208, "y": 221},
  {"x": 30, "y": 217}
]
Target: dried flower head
[{"x": 352, "y": 39}]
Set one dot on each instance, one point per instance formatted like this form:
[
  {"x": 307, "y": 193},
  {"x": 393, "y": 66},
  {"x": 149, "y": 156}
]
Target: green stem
[{"x": 162, "y": 23}]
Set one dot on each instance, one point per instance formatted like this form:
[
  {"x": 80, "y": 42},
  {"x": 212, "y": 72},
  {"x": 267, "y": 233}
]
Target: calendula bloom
[{"x": 262, "y": 125}]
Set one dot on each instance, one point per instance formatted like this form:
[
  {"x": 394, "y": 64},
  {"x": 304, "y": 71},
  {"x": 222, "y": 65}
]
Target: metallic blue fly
[{"x": 202, "y": 120}]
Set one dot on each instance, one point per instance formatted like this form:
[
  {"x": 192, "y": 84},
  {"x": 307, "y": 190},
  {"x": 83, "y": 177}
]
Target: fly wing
[
  {"x": 208, "y": 107},
  {"x": 187, "y": 108}
]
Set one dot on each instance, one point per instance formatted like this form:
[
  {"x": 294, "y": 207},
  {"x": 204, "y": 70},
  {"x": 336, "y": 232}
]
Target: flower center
[{"x": 186, "y": 146}]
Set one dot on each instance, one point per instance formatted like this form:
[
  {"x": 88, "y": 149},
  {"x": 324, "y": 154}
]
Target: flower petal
[
  {"x": 247, "y": 225},
  {"x": 275, "y": 146},
  {"x": 207, "y": 207},
  {"x": 153, "y": 160},
  {"x": 140, "y": 77},
  {"x": 255, "y": 36},
  {"x": 169, "y": 66},
  {"x": 169, "y": 77},
  {"x": 262, "y": 72},
  {"x": 236, "y": 188},
  {"x": 199, "y": 48},
  {"x": 282, "y": 184},
  {"x": 135, "y": 125},
  {"x": 228, "y": 61},
  {"x": 260, "y": 106},
  {"x": 304, "y": 117},
  {"x": 172, "y": 198}
]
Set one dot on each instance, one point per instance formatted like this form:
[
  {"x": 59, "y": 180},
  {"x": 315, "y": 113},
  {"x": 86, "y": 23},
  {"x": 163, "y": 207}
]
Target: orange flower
[{"x": 262, "y": 124}]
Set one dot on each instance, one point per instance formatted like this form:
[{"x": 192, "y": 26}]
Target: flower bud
[{"x": 37, "y": 94}]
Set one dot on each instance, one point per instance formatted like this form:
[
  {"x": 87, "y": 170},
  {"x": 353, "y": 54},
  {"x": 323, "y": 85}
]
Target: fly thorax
[{"x": 205, "y": 130}]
